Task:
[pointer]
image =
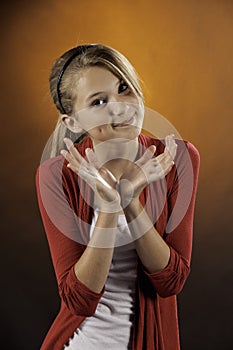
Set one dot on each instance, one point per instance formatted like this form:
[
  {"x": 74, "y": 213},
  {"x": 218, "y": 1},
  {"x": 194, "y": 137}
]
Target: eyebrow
[
  {"x": 102, "y": 92},
  {"x": 95, "y": 94}
]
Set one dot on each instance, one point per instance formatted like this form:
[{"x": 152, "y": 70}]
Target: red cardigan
[{"x": 63, "y": 201}]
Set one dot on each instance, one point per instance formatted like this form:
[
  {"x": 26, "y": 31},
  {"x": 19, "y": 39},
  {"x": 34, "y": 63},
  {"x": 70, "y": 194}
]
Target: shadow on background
[{"x": 183, "y": 53}]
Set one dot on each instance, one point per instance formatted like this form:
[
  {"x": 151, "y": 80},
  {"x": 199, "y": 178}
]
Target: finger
[
  {"x": 172, "y": 149},
  {"x": 69, "y": 143},
  {"x": 64, "y": 153},
  {"x": 76, "y": 165},
  {"x": 171, "y": 146},
  {"x": 67, "y": 156},
  {"x": 161, "y": 171},
  {"x": 169, "y": 140},
  {"x": 91, "y": 157},
  {"x": 71, "y": 148},
  {"x": 167, "y": 169},
  {"x": 70, "y": 158},
  {"x": 89, "y": 175},
  {"x": 146, "y": 156},
  {"x": 102, "y": 181},
  {"x": 163, "y": 161},
  {"x": 111, "y": 175},
  {"x": 108, "y": 176},
  {"x": 168, "y": 143},
  {"x": 73, "y": 168},
  {"x": 172, "y": 142},
  {"x": 87, "y": 171}
]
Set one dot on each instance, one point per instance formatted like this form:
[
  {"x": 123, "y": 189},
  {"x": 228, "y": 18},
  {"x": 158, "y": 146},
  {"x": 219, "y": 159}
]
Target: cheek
[{"x": 89, "y": 120}]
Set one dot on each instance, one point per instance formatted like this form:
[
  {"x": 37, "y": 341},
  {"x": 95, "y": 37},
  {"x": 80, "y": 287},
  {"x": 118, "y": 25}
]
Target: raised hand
[
  {"x": 146, "y": 170},
  {"x": 100, "y": 179}
]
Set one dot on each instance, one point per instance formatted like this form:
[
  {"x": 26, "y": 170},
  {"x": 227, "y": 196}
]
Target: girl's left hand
[{"x": 146, "y": 170}]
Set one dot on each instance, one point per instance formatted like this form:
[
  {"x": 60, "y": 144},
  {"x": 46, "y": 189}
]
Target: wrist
[
  {"x": 110, "y": 219},
  {"x": 108, "y": 207},
  {"x": 134, "y": 208}
]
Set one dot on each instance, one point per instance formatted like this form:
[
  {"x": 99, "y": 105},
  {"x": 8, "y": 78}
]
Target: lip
[{"x": 124, "y": 123}]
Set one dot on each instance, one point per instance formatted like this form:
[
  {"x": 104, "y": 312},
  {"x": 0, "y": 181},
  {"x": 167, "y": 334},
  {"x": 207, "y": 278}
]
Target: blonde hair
[{"x": 63, "y": 82}]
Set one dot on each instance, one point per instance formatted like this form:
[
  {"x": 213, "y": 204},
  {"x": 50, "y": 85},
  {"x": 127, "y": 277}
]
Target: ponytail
[{"x": 58, "y": 137}]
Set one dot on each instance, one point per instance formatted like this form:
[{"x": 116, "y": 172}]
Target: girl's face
[{"x": 105, "y": 106}]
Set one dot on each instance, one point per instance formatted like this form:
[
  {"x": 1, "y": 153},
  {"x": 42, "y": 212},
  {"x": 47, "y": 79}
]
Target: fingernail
[{"x": 66, "y": 140}]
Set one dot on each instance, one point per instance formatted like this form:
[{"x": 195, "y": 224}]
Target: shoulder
[
  {"x": 51, "y": 164},
  {"x": 53, "y": 172},
  {"x": 188, "y": 153},
  {"x": 50, "y": 168}
]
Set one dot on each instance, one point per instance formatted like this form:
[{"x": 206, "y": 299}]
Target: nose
[{"x": 116, "y": 108}]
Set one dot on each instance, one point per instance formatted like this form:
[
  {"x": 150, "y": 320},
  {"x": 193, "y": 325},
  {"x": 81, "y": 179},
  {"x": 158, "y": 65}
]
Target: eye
[
  {"x": 99, "y": 102},
  {"x": 123, "y": 87}
]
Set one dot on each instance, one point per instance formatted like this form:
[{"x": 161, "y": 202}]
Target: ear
[{"x": 71, "y": 123}]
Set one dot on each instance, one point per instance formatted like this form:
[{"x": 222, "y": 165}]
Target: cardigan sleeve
[
  {"x": 179, "y": 228},
  {"x": 62, "y": 228}
]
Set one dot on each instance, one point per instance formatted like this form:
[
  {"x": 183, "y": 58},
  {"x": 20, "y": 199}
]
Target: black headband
[{"x": 78, "y": 51}]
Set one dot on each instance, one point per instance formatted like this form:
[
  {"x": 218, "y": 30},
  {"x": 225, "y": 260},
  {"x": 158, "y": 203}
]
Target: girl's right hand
[{"x": 100, "y": 179}]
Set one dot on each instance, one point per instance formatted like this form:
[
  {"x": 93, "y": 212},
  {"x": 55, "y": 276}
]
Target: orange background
[{"x": 182, "y": 50}]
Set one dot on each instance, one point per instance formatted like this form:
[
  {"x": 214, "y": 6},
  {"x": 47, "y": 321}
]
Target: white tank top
[{"x": 111, "y": 325}]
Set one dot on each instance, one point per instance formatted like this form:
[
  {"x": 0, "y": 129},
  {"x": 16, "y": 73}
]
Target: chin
[{"x": 116, "y": 135}]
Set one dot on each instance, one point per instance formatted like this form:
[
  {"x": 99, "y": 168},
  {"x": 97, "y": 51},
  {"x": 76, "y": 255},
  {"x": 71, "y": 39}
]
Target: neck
[{"x": 116, "y": 154}]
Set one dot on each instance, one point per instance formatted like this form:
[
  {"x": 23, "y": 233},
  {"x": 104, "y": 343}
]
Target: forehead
[{"x": 94, "y": 79}]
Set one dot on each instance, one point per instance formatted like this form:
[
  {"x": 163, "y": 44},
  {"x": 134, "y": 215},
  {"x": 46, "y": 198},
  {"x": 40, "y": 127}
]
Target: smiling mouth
[{"x": 124, "y": 123}]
